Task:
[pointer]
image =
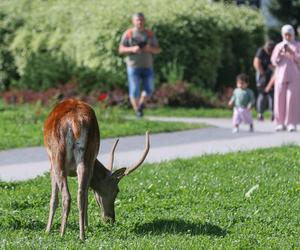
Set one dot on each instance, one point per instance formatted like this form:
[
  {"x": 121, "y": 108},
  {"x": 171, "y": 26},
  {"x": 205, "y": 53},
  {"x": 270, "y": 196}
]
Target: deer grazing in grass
[{"x": 72, "y": 140}]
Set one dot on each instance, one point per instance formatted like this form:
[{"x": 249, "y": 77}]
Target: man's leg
[
  {"x": 271, "y": 104},
  {"x": 134, "y": 87},
  {"x": 148, "y": 86},
  {"x": 134, "y": 103},
  {"x": 260, "y": 105},
  {"x": 143, "y": 99}
]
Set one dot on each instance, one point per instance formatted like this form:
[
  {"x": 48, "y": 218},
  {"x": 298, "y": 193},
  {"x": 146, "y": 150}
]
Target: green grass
[
  {"x": 190, "y": 112},
  {"x": 22, "y": 126},
  {"x": 181, "y": 204},
  {"x": 197, "y": 112}
]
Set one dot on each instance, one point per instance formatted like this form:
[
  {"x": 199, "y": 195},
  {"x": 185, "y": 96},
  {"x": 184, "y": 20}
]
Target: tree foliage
[
  {"x": 286, "y": 11},
  {"x": 8, "y": 70},
  {"x": 64, "y": 40}
]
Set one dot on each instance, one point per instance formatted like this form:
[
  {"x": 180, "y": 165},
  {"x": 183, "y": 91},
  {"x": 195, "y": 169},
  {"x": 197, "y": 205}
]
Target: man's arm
[
  {"x": 153, "y": 45},
  {"x": 258, "y": 65},
  {"x": 128, "y": 50},
  {"x": 270, "y": 84},
  {"x": 152, "y": 49},
  {"x": 125, "y": 46}
]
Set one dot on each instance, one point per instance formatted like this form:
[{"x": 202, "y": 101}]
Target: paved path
[{"x": 22, "y": 164}]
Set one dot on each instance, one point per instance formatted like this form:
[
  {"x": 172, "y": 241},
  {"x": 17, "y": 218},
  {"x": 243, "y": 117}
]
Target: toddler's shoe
[{"x": 235, "y": 130}]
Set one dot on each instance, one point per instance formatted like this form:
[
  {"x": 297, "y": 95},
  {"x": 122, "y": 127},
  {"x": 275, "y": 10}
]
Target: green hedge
[
  {"x": 61, "y": 41},
  {"x": 8, "y": 70}
]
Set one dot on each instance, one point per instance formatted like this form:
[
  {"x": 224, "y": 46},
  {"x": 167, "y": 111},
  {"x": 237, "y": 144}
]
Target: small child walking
[{"x": 242, "y": 101}]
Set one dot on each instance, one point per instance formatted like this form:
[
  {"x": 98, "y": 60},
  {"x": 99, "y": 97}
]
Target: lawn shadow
[
  {"x": 35, "y": 225},
  {"x": 12, "y": 223},
  {"x": 163, "y": 226}
]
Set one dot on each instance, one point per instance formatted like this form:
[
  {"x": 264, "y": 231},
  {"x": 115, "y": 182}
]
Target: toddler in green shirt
[{"x": 242, "y": 101}]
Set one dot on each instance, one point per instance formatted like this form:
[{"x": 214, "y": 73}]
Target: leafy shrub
[
  {"x": 173, "y": 71},
  {"x": 113, "y": 97},
  {"x": 44, "y": 97},
  {"x": 8, "y": 70},
  {"x": 182, "y": 94},
  {"x": 79, "y": 43}
]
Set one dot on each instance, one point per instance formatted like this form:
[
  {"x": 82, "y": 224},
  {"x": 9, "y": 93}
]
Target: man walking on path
[
  {"x": 264, "y": 70},
  {"x": 138, "y": 44}
]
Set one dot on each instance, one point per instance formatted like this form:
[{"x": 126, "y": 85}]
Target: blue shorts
[{"x": 136, "y": 76}]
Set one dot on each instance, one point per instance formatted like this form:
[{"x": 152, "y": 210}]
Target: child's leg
[
  {"x": 236, "y": 119},
  {"x": 246, "y": 117}
]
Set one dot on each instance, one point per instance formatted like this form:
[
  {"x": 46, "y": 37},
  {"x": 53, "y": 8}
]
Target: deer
[{"x": 72, "y": 142}]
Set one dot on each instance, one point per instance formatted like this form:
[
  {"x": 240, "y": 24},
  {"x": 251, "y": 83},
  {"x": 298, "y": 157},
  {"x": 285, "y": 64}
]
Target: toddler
[{"x": 242, "y": 100}]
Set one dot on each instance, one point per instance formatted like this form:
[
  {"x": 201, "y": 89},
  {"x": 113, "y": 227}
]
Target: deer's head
[{"x": 105, "y": 182}]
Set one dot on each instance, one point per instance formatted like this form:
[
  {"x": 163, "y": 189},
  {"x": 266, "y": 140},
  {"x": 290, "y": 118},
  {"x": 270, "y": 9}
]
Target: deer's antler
[
  {"x": 146, "y": 150},
  {"x": 112, "y": 154}
]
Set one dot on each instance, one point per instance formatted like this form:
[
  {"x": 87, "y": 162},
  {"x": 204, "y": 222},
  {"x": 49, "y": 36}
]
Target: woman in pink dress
[{"x": 286, "y": 59}]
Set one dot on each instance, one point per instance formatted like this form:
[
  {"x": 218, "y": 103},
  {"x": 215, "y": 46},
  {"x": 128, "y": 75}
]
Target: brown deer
[{"x": 72, "y": 140}]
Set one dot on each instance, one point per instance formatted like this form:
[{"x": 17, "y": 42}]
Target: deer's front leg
[
  {"x": 53, "y": 201},
  {"x": 86, "y": 210}
]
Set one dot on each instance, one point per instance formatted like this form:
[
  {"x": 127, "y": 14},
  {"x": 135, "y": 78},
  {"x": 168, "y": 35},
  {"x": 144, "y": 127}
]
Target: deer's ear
[{"x": 118, "y": 174}]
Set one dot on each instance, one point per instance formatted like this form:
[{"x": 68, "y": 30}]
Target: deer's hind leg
[
  {"x": 84, "y": 175},
  {"x": 62, "y": 183},
  {"x": 66, "y": 202}
]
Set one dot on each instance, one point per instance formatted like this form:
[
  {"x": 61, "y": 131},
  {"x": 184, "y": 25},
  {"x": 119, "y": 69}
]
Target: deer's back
[{"x": 71, "y": 134}]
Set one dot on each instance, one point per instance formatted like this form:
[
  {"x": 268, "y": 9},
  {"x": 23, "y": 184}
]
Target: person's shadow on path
[{"x": 178, "y": 226}]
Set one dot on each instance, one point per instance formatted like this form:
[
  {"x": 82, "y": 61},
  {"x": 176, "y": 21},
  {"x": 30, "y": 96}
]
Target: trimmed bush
[
  {"x": 8, "y": 70},
  {"x": 64, "y": 40}
]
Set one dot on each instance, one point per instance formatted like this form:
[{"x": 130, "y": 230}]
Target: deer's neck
[{"x": 100, "y": 173}]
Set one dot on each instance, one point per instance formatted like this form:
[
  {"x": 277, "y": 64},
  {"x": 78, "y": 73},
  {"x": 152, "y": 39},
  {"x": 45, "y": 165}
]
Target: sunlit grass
[
  {"x": 22, "y": 126},
  {"x": 181, "y": 204}
]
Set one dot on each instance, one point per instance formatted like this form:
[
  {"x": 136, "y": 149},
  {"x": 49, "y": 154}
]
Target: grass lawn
[
  {"x": 22, "y": 126},
  {"x": 189, "y": 112},
  {"x": 181, "y": 204},
  {"x": 196, "y": 112}
]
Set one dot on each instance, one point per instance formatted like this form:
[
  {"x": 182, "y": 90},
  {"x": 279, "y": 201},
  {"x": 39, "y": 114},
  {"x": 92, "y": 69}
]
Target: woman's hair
[{"x": 242, "y": 77}]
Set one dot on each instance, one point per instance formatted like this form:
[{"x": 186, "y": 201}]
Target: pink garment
[
  {"x": 241, "y": 115},
  {"x": 287, "y": 84}
]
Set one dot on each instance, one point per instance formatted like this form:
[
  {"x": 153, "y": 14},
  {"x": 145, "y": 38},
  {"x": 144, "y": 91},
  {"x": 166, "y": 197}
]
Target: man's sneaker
[
  {"x": 138, "y": 114},
  {"x": 291, "y": 128},
  {"x": 279, "y": 128},
  {"x": 235, "y": 130},
  {"x": 141, "y": 110},
  {"x": 260, "y": 117}
]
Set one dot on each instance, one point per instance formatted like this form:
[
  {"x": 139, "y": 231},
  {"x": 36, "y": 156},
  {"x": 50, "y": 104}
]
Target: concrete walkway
[{"x": 22, "y": 164}]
